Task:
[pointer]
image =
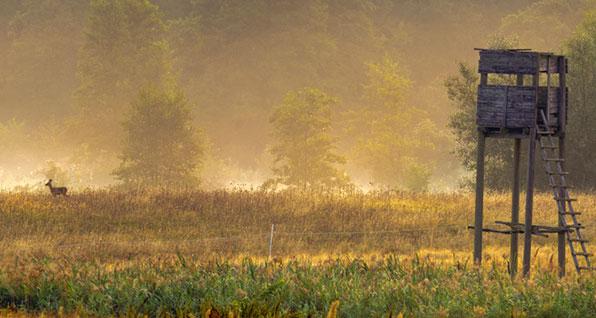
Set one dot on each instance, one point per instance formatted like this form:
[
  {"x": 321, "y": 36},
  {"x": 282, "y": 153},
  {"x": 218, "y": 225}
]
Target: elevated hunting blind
[
  {"x": 523, "y": 95},
  {"x": 510, "y": 110}
]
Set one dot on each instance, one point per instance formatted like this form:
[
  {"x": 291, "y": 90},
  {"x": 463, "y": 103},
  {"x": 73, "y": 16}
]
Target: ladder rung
[
  {"x": 562, "y": 186},
  {"x": 571, "y": 213},
  {"x": 575, "y": 226},
  {"x": 564, "y": 173},
  {"x": 584, "y": 254},
  {"x": 585, "y": 268},
  {"x": 555, "y": 159},
  {"x": 578, "y": 240},
  {"x": 543, "y": 132},
  {"x": 549, "y": 147},
  {"x": 565, "y": 199}
]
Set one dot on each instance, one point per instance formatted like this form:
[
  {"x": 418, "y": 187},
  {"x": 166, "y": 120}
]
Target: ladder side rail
[
  {"x": 559, "y": 189},
  {"x": 552, "y": 181}
]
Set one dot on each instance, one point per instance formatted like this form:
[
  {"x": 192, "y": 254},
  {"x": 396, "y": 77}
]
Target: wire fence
[
  {"x": 274, "y": 240},
  {"x": 267, "y": 237}
]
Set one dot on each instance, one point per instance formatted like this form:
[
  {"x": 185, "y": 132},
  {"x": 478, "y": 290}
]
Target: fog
[{"x": 70, "y": 70}]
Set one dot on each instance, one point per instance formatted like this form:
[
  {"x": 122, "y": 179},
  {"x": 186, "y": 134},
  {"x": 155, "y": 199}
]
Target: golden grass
[{"x": 118, "y": 227}]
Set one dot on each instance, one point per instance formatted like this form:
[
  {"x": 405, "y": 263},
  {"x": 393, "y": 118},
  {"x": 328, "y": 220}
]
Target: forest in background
[{"x": 72, "y": 69}]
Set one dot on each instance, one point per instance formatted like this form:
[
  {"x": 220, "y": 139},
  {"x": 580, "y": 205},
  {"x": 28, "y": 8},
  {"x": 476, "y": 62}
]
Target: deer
[{"x": 56, "y": 191}]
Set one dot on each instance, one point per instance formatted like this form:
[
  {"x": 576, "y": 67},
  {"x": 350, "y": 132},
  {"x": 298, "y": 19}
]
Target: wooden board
[
  {"x": 553, "y": 99},
  {"x": 492, "y": 106},
  {"x": 501, "y": 106},
  {"x": 508, "y": 62},
  {"x": 553, "y": 64},
  {"x": 521, "y": 111}
]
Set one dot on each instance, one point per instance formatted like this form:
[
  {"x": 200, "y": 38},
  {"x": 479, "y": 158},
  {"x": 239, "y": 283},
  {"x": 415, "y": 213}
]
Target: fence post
[{"x": 271, "y": 240}]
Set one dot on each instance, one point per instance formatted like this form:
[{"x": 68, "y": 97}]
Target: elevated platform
[{"x": 508, "y": 106}]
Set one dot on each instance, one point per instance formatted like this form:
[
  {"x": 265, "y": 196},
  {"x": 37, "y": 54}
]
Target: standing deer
[{"x": 57, "y": 190}]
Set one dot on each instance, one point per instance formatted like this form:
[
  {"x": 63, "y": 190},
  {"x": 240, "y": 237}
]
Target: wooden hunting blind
[
  {"x": 513, "y": 109},
  {"x": 523, "y": 95}
]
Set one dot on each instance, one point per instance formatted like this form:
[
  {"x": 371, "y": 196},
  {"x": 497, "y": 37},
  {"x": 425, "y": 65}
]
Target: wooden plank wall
[
  {"x": 521, "y": 112},
  {"x": 553, "y": 110},
  {"x": 501, "y": 106},
  {"x": 492, "y": 106},
  {"x": 505, "y": 62}
]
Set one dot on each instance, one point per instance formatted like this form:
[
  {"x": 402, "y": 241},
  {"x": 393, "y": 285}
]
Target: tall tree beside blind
[{"x": 581, "y": 51}]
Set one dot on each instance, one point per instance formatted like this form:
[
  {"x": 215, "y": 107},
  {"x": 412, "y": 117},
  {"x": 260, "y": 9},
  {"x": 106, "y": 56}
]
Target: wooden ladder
[{"x": 557, "y": 180}]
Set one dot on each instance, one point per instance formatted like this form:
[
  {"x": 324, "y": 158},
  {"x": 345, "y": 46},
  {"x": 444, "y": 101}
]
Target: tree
[
  {"x": 304, "y": 150},
  {"x": 396, "y": 141},
  {"x": 545, "y": 24},
  {"x": 581, "y": 129},
  {"x": 124, "y": 50},
  {"x": 161, "y": 147}
]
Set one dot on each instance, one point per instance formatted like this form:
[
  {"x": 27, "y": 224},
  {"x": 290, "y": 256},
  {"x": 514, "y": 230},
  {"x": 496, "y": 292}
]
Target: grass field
[{"x": 114, "y": 253}]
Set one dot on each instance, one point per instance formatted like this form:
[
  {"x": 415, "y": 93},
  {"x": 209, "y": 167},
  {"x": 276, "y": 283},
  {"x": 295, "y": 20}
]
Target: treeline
[{"x": 298, "y": 92}]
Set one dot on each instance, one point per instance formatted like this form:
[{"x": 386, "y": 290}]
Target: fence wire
[{"x": 261, "y": 235}]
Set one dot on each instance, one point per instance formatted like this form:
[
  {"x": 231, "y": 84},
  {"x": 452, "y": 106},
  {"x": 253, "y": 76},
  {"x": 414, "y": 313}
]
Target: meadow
[{"x": 185, "y": 253}]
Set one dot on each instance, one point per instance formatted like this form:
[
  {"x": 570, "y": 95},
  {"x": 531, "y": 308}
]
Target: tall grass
[
  {"x": 111, "y": 225},
  {"x": 343, "y": 287},
  {"x": 205, "y": 253}
]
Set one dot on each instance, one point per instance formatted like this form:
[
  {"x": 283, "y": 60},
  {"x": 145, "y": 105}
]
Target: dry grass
[
  {"x": 190, "y": 254},
  {"x": 109, "y": 226}
]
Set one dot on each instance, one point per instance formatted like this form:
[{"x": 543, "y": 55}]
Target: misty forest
[
  {"x": 297, "y": 158},
  {"x": 212, "y": 94}
]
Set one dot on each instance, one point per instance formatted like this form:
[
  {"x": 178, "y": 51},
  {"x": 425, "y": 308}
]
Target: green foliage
[
  {"x": 394, "y": 136},
  {"x": 235, "y": 59},
  {"x": 545, "y": 24},
  {"x": 161, "y": 147},
  {"x": 386, "y": 288},
  {"x": 461, "y": 90},
  {"x": 304, "y": 151},
  {"x": 284, "y": 46},
  {"x": 581, "y": 146},
  {"x": 124, "y": 50}
]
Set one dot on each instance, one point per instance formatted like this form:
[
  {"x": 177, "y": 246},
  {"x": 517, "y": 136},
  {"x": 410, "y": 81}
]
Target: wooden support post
[
  {"x": 561, "y": 236},
  {"x": 515, "y": 196},
  {"x": 478, "y": 217},
  {"x": 562, "y": 110},
  {"x": 529, "y": 203},
  {"x": 547, "y": 124},
  {"x": 562, "y": 65},
  {"x": 530, "y": 185},
  {"x": 515, "y": 206}
]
